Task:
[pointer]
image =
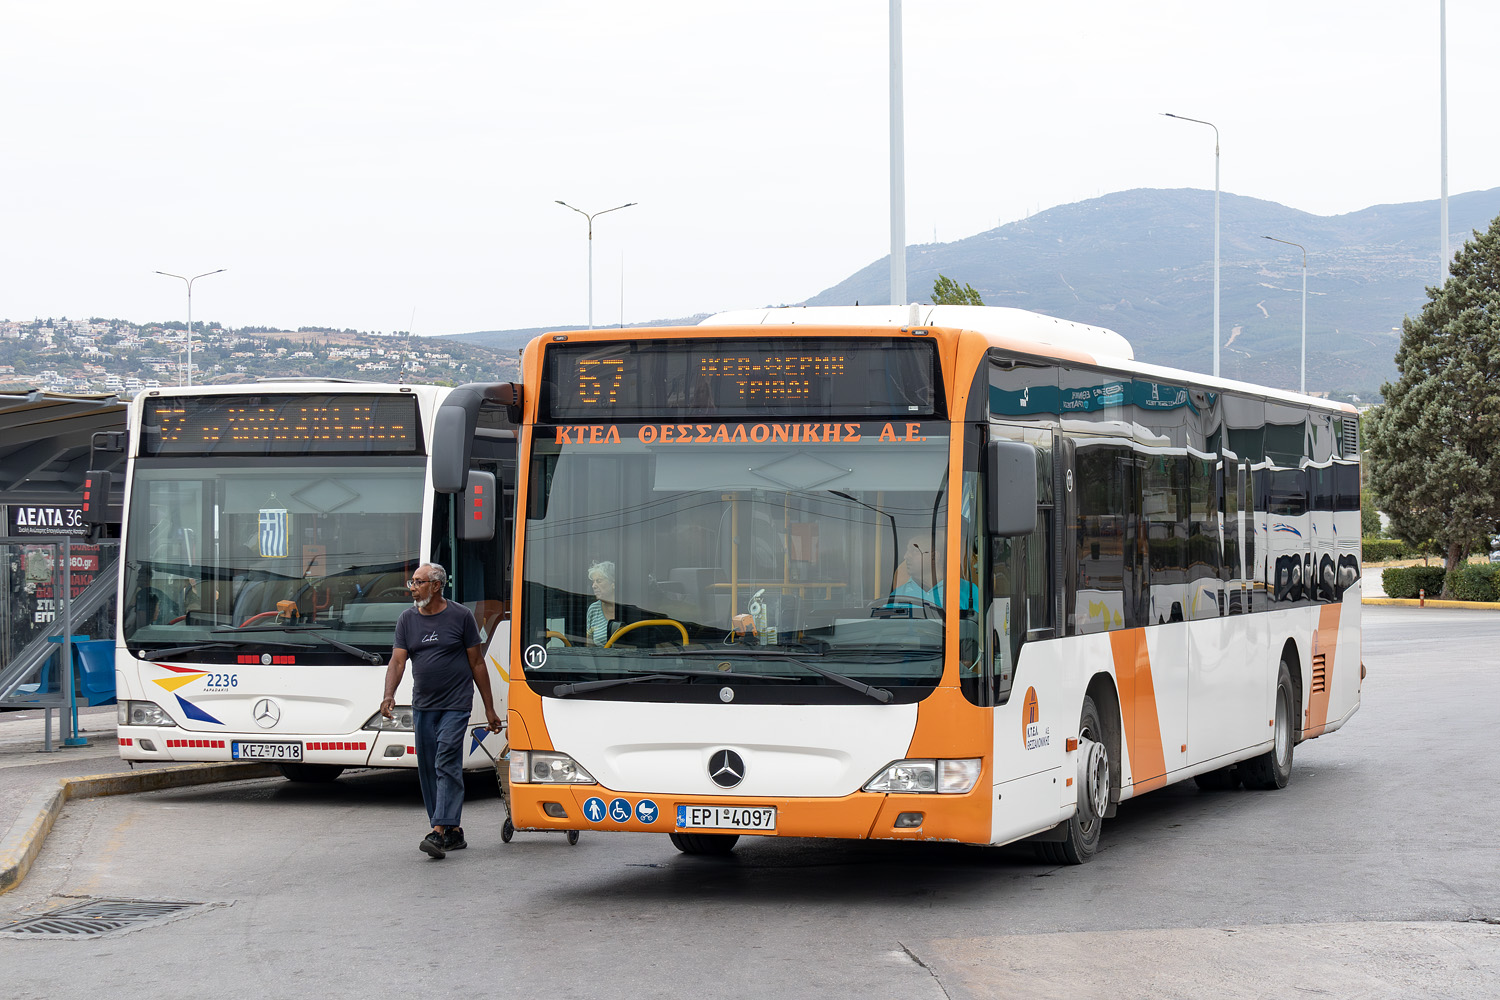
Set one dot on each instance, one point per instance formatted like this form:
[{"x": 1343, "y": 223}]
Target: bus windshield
[
  {"x": 293, "y": 552},
  {"x": 788, "y": 551}
]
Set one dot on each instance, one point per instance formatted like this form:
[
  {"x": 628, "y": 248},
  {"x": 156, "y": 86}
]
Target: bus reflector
[
  {"x": 195, "y": 744},
  {"x": 338, "y": 745}
]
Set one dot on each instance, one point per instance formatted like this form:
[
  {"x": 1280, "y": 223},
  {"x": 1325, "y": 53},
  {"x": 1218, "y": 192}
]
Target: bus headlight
[
  {"x": 142, "y": 713},
  {"x": 401, "y": 721},
  {"x": 543, "y": 768},
  {"x": 950, "y": 777}
]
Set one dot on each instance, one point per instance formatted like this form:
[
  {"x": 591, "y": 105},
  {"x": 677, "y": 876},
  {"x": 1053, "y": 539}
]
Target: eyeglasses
[{"x": 414, "y": 582}]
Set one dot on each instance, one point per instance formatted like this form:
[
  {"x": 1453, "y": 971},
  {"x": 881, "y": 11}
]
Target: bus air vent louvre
[
  {"x": 1351, "y": 438},
  {"x": 1320, "y": 673},
  {"x": 95, "y": 916}
]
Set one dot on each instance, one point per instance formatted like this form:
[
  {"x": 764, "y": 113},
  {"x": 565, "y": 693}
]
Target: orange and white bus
[{"x": 738, "y": 546}]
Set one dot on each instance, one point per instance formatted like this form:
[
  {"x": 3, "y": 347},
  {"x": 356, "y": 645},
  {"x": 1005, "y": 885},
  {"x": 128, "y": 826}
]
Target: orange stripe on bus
[
  {"x": 1148, "y": 760},
  {"x": 1320, "y": 677}
]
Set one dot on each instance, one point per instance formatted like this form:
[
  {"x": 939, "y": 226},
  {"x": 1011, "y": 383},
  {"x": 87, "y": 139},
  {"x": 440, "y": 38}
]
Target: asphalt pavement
[{"x": 36, "y": 783}]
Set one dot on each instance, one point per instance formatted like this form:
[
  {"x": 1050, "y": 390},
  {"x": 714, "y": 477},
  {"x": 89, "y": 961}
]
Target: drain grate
[{"x": 95, "y": 916}]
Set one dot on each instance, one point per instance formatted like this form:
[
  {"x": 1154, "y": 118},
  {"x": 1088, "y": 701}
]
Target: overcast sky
[{"x": 357, "y": 163}]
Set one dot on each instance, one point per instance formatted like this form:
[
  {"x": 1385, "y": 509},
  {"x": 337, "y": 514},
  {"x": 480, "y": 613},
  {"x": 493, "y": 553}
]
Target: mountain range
[{"x": 1141, "y": 263}]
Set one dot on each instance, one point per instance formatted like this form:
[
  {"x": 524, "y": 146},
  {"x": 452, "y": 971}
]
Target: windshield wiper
[
  {"x": 879, "y": 694},
  {"x": 583, "y": 687},
  {"x": 316, "y": 631},
  {"x": 167, "y": 654}
]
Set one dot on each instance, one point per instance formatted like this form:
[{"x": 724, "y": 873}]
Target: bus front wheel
[
  {"x": 704, "y": 843},
  {"x": 1082, "y": 840}
]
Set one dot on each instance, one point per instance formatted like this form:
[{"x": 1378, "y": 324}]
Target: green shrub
[
  {"x": 1406, "y": 581},
  {"x": 1475, "y": 582},
  {"x": 1369, "y": 517},
  {"x": 1383, "y": 549}
]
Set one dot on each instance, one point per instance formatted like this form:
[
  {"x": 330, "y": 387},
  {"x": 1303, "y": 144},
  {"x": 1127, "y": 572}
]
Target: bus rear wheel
[
  {"x": 1082, "y": 839},
  {"x": 704, "y": 843},
  {"x": 1273, "y": 769},
  {"x": 314, "y": 773}
]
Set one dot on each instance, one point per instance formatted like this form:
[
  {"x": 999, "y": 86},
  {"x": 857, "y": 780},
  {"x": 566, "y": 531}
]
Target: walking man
[{"x": 442, "y": 640}]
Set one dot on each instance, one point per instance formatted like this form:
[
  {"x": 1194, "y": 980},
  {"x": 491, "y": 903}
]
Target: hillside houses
[{"x": 99, "y": 355}]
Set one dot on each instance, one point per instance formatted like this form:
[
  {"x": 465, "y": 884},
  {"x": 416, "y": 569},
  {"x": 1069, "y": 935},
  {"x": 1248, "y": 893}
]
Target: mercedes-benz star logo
[
  {"x": 726, "y": 768},
  {"x": 266, "y": 714}
]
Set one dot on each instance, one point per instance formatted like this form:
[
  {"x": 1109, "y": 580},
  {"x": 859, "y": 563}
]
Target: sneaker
[
  {"x": 453, "y": 840},
  {"x": 433, "y": 844}
]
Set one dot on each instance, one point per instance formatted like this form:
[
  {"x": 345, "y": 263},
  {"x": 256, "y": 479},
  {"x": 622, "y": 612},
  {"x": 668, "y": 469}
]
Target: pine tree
[
  {"x": 946, "y": 292},
  {"x": 1434, "y": 446}
]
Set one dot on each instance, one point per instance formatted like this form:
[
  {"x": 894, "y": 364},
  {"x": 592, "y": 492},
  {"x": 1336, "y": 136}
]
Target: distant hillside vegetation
[{"x": 1141, "y": 263}]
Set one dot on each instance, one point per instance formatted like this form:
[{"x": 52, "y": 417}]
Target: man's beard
[{"x": 422, "y": 603}]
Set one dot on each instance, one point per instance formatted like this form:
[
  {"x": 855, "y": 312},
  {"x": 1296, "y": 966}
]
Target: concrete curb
[
  {"x": 1411, "y": 602},
  {"x": 24, "y": 841}
]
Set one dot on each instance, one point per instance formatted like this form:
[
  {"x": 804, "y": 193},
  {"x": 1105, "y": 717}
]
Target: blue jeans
[{"x": 440, "y": 763}]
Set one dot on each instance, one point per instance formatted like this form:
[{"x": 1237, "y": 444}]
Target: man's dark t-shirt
[{"x": 437, "y": 646}]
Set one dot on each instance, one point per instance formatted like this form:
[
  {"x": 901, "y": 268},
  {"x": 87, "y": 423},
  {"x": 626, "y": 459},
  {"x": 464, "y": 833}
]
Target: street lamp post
[
  {"x": 189, "y": 283},
  {"x": 1303, "y": 386},
  {"x": 1216, "y": 228},
  {"x": 590, "y": 219}
]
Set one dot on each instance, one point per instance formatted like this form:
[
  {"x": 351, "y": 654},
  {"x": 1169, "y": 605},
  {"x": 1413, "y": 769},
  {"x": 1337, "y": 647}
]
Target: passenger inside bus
[{"x": 601, "y": 622}]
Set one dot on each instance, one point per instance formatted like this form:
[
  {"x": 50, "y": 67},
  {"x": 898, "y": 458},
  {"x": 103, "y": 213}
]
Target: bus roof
[
  {"x": 1017, "y": 324},
  {"x": 1107, "y": 348}
]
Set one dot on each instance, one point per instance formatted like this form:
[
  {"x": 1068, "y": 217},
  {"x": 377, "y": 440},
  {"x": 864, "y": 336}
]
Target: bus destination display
[
  {"x": 371, "y": 424},
  {"x": 741, "y": 378}
]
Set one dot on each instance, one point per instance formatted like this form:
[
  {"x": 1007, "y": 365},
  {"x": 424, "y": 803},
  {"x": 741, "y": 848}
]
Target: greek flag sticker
[{"x": 273, "y": 534}]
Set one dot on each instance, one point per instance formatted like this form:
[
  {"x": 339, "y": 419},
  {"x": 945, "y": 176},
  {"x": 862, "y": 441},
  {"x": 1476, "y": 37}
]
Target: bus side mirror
[
  {"x": 476, "y": 517},
  {"x": 1011, "y": 488},
  {"x": 453, "y": 429}
]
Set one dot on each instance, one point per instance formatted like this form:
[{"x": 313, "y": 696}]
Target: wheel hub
[{"x": 1093, "y": 778}]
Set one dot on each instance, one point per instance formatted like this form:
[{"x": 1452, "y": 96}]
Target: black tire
[
  {"x": 1225, "y": 779},
  {"x": 1082, "y": 840},
  {"x": 1273, "y": 769},
  {"x": 572, "y": 838},
  {"x": 718, "y": 844},
  {"x": 311, "y": 773},
  {"x": 507, "y": 830}
]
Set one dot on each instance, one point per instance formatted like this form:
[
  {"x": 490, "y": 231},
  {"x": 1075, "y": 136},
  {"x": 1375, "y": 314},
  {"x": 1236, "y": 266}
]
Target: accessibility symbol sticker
[
  {"x": 619, "y": 810},
  {"x": 646, "y": 812},
  {"x": 593, "y": 808}
]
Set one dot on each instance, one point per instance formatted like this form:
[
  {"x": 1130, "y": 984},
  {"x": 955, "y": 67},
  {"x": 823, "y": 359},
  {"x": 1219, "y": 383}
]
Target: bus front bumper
[
  {"x": 858, "y": 816},
  {"x": 359, "y": 749}
]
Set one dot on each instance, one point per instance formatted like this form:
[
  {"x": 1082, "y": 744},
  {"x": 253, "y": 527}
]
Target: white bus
[
  {"x": 268, "y": 534},
  {"x": 738, "y": 546}
]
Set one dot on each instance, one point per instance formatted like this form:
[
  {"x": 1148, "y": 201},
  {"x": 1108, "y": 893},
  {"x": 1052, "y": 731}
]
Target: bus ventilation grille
[
  {"x": 1351, "y": 439},
  {"x": 1320, "y": 673},
  {"x": 93, "y": 917}
]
